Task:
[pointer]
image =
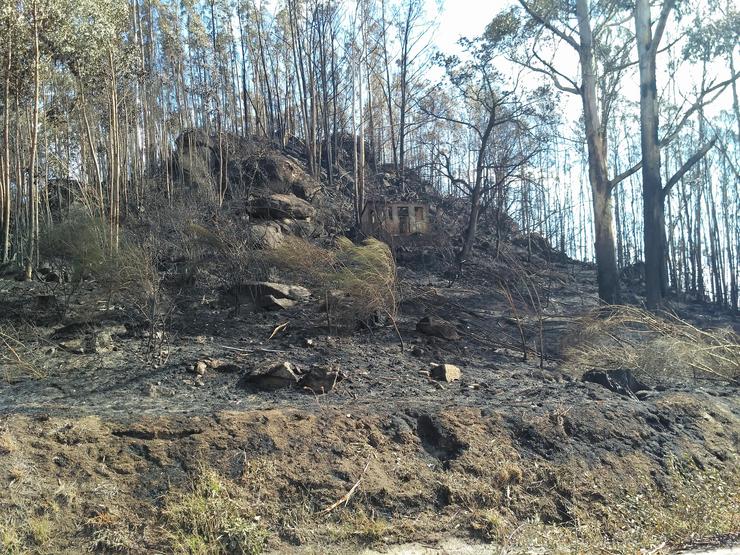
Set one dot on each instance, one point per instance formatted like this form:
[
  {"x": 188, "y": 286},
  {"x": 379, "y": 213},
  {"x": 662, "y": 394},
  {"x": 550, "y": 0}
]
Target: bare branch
[
  {"x": 665, "y": 12},
  {"x": 700, "y": 103},
  {"x": 698, "y": 155},
  {"x": 567, "y": 38},
  {"x": 624, "y": 175}
]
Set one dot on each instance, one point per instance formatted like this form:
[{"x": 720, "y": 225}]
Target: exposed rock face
[
  {"x": 196, "y": 159},
  {"x": 266, "y": 235},
  {"x": 437, "y": 327},
  {"x": 249, "y": 164},
  {"x": 269, "y": 170},
  {"x": 278, "y": 206}
]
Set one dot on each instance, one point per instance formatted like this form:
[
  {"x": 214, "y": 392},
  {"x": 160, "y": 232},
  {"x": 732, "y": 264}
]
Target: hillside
[{"x": 243, "y": 379}]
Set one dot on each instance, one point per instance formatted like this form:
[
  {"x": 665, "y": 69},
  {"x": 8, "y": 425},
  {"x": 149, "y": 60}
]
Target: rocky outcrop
[
  {"x": 266, "y": 235},
  {"x": 279, "y": 206},
  {"x": 249, "y": 165},
  {"x": 268, "y": 170}
]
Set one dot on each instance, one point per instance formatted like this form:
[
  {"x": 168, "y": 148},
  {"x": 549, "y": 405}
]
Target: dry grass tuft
[
  {"x": 657, "y": 348},
  {"x": 81, "y": 247},
  {"x": 356, "y": 526},
  {"x": 359, "y": 281},
  {"x": 20, "y": 357}
]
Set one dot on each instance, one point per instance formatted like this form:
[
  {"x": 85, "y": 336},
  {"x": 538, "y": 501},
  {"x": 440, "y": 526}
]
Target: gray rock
[
  {"x": 437, "y": 327},
  {"x": 620, "y": 381},
  {"x": 257, "y": 289},
  {"x": 278, "y": 206},
  {"x": 270, "y": 302},
  {"x": 272, "y": 377},
  {"x": 266, "y": 235}
]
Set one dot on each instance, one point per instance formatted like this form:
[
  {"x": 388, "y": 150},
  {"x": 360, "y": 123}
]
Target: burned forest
[{"x": 369, "y": 276}]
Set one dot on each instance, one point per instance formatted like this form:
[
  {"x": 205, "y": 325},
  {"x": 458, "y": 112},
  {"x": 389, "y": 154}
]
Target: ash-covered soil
[{"x": 103, "y": 439}]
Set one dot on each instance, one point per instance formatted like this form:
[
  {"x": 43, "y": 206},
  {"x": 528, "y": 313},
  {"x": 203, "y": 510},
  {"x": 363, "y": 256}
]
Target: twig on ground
[
  {"x": 347, "y": 496},
  {"x": 278, "y": 329}
]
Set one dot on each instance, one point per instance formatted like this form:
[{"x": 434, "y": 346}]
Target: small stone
[
  {"x": 445, "y": 372},
  {"x": 275, "y": 376},
  {"x": 322, "y": 378},
  {"x": 200, "y": 367},
  {"x": 417, "y": 351},
  {"x": 308, "y": 342}
]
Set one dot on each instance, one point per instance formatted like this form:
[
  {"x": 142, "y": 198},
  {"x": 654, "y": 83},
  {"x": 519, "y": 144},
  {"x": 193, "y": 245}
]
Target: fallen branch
[
  {"x": 278, "y": 329},
  {"x": 252, "y": 350}
]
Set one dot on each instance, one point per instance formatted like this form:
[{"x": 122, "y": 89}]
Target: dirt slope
[{"x": 111, "y": 452}]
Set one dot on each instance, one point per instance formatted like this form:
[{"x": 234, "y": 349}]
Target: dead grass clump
[
  {"x": 356, "y": 526},
  {"x": 358, "y": 281},
  {"x": 208, "y": 520},
  {"x": 81, "y": 248},
  {"x": 79, "y": 244},
  {"x": 110, "y": 533},
  {"x": 657, "y": 348},
  {"x": 489, "y": 525},
  {"x": 240, "y": 259},
  {"x": 700, "y": 504},
  {"x": 20, "y": 357}
]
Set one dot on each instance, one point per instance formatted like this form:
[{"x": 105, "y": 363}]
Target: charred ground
[{"x": 141, "y": 428}]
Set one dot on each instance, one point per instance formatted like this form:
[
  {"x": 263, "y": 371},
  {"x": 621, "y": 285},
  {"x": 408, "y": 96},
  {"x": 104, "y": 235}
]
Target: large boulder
[
  {"x": 196, "y": 160},
  {"x": 266, "y": 235},
  {"x": 278, "y": 206},
  {"x": 272, "y": 171},
  {"x": 250, "y": 164}
]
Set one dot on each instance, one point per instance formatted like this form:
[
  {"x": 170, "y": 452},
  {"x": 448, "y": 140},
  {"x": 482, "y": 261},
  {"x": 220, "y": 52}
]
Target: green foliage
[
  {"x": 207, "y": 520},
  {"x": 710, "y": 38},
  {"x": 504, "y": 27}
]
